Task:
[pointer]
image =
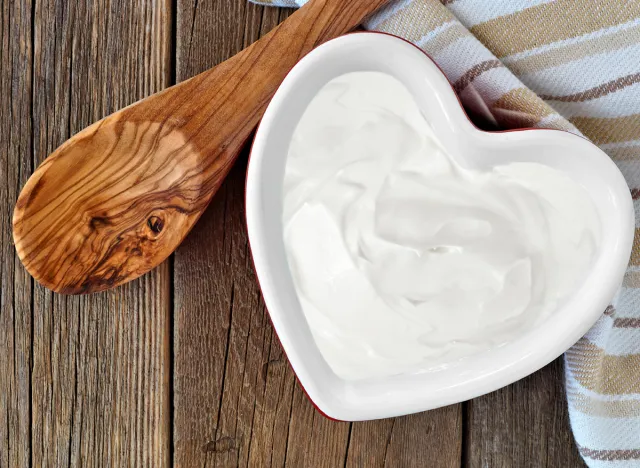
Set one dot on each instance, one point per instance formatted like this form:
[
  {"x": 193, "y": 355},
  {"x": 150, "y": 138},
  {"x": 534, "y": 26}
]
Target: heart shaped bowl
[{"x": 477, "y": 374}]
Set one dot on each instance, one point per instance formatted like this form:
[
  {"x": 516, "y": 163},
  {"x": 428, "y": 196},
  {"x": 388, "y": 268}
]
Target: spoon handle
[
  {"x": 119, "y": 197},
  {"x": 219, "y": 109}
]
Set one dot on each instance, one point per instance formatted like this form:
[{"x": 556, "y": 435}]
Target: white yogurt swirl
[{"x": 402, "y": 259}]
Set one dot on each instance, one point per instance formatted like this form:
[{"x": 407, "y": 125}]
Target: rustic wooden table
[{"x": 182, "y": 366}]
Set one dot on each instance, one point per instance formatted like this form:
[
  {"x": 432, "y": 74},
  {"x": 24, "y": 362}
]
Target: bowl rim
[{"x": 333, "y": 398}]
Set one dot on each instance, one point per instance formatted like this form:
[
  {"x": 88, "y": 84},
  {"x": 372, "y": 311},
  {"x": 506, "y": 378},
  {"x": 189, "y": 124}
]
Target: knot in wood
[
  {"x": 222, "y": 445},
  {"x": 155, "y": 224}
]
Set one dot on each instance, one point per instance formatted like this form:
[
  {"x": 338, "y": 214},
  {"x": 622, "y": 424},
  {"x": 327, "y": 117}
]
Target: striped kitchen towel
[{"x": 564, "y": 64}]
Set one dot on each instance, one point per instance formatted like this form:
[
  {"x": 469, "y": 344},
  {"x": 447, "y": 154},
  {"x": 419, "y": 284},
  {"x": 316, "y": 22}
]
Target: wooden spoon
[{"x": 119, "y": 197}]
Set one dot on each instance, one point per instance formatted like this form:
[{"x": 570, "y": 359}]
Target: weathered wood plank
[
  {"x": 432, "y": 439},
  {"x": 100, "y": 383},
  {"x": 236, "y": 401},
  {"x": 313, "y": 439},
  {"x": 525, "y": 425},
  {"x": 16, "y": 71},
  {"x": 228, "y": 381}
]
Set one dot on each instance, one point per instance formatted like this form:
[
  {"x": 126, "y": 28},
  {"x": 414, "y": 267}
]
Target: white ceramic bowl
[{"x": 476, "y": 375}]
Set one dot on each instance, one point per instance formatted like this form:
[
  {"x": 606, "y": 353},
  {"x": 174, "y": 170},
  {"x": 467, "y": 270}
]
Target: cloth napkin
[{"x": 572, "y": 65}]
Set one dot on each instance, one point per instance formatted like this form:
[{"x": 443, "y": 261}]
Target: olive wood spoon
[{"x": 119, "y": 197}]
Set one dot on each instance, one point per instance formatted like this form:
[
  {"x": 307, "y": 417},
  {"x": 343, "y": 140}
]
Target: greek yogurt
[{"x": 403, "y": 259}]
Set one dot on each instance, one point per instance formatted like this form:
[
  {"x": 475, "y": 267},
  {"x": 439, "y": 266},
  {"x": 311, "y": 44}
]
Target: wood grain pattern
[
  {"x": 16, "y": 72},
  {"x": 223, "y": 415},
  {"x": 431, "y": 439},
  {"x": 525, "y": 425},
  {"x": 236, "y": 400},
  {"x": 119, "y": 197},
  {"x": 100, "y": 383}
]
